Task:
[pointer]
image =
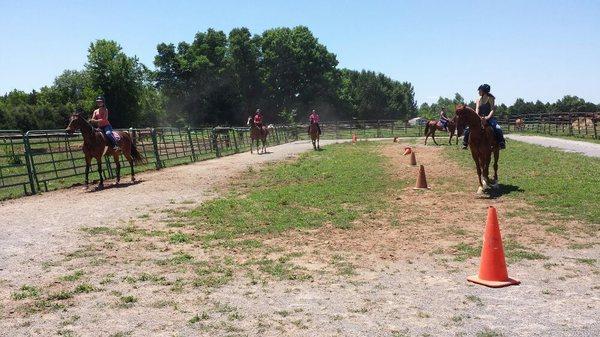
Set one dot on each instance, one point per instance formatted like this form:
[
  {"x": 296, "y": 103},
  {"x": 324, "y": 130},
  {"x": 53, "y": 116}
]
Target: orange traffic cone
[
  {"x": 407, "y": 150},
  {"x": 353, "y": 138},
  {"x": 413, "y": 159},
  {"x": 492, "y": 271},
  {"x": 421, "y": 180}
]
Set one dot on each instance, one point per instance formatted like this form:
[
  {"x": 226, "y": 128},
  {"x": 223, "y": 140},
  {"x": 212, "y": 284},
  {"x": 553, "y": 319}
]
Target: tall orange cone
[
  {"x": 407, "y": 150},
  {"x": 353, "y": 138},
  {"x": 421, "y": 180},
  {"x": 492, "y": 271},
  {"x": 413, "y": 159}
]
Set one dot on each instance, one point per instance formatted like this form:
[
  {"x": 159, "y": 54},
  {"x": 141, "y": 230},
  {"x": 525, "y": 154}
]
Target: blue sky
[{"x": 531, "y": 49}]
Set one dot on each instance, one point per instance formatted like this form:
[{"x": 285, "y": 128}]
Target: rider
[
  {"x": 444, "y": 118},
  {"x": 258, "y": 119},
  {"x": 100, "y": 116},
  {"x": 486, "y": 108},
  {"x": 314, "y": 119}
]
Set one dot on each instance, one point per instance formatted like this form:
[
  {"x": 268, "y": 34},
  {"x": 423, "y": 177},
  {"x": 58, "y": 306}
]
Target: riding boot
[
  {"x": 500, "y": 138},
  {"x": 466, "y": 139},
  {"x": 113, "y": 142}
]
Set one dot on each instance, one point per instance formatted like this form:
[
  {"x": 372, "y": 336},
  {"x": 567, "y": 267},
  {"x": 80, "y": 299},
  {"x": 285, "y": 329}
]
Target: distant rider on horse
[
  {"x": 258, "y": 119},
  {"x": 100, "y": 119},
  {"x": 444, "y": 119},
  {"x": 485, "y": 108},
  {"x": 314, "y": 119}
]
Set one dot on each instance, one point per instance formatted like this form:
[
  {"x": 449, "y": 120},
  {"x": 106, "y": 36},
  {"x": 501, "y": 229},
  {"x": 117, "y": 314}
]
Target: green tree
[{"x": 119, "y": 78}]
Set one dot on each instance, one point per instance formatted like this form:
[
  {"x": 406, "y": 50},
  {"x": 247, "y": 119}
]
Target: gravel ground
[
  {"x": 393, "y": 274},
  {"x": 586, "y": 148}
]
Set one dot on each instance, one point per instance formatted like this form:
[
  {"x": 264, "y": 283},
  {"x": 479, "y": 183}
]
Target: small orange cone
[
  {"x": 353, "y": 138},
  {"x": 421, "y": 180},
  {"x": 407, "y": 150},
  {"x": 492, "y": 271},
  {"x": 413, "y": 159}
]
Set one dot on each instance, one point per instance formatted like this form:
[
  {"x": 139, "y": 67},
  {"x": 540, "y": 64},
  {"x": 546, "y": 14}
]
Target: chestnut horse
[
  {"x": 257, "y": 134},
  {"x": 519, "y": 123},
  {"x": 482, "y": 143},
  {"x": 434, "y": 125},
  {"x": 313, "y": 131},
  {"x": 95, "y": 145}
]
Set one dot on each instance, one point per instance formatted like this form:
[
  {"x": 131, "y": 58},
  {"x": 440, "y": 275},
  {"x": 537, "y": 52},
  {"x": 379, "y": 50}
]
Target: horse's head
[
  {"x": 460, "y": 117},
  {"x": 75, "y": 123}
]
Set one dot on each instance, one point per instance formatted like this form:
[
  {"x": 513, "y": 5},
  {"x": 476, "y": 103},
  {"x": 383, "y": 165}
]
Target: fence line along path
[{"x": 44, "y": 160}]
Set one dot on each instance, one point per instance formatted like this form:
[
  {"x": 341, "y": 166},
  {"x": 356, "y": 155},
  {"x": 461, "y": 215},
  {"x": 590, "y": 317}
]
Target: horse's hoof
[
  {"x": 99, "y": 187},
  {"x": 480, "y": 190}
]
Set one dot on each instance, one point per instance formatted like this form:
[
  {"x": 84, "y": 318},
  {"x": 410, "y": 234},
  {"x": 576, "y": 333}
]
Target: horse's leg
[
  {"x": 478, "y": 166},
  {"x": 127, "y": 155},
  {"x": 117, "y": 167},
  {"x": 496, "y": 155},
  {"x": 88, "y": 163},
  {"x": 433, "y": 136},
  {"x": 318, "y": 142},
  {"x": 451, "y": 135},
  {"x": 99, "y": 161},
  {"x": 427, "y": 136}
]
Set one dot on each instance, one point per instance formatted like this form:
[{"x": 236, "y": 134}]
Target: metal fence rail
[
  {"x": 577, "y": 124},
  {"x": 43, "y": 160}
]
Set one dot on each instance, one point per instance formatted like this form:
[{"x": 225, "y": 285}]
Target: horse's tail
[
  {"x": 426, "y": 129},
  {"x": 137, "y": 157}
]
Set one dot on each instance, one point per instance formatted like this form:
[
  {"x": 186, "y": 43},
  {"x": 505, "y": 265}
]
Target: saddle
[{"x": 115, "y": 134}]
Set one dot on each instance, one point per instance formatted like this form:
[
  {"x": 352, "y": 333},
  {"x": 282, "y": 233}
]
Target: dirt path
[
  {"x": 36, "y": 227},
  {"x": 586, "y": 148}
]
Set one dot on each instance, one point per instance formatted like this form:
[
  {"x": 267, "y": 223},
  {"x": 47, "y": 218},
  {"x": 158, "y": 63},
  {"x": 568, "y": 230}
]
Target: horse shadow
[
  {"x": 266, "y": 152},
  {"x": 502, "y": 190},
  {"x": 113, "y": 185}
]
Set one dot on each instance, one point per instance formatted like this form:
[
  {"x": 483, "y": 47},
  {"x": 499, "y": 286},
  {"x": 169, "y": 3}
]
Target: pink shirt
[
  {"x": 314, "y": 118},
  {"x": 258, "y": 119},
  {"x": 101, "y": 115}
]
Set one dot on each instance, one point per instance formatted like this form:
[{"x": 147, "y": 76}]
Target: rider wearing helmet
[
  {"x": 485, "y": 108},
  {"x": 258, "y": 119},
  {"x": 100, "y": 118},
  {"x": 314, "y": 119}
]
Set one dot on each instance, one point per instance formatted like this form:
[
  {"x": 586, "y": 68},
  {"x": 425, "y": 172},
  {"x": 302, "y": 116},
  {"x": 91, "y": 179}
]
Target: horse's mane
[{"x": 85, "y": 122}]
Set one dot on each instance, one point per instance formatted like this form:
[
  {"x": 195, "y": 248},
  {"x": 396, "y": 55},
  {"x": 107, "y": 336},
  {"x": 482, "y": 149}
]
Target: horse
[
  {"x": 434, "y": 125},
  {"x": 519, "y": 123},
  {"x": 482, "y": 143},
  {"x": 313, "y": 131},
  {"x": 95, "y": 145},
  {"x": 258, "y": 134}
]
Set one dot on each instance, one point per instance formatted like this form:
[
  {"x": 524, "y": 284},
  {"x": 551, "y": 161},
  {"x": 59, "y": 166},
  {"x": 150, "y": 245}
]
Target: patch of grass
[
  {"x": 60, "y": 296},
  {"x": 84, "y": 288},
  {"x": 589, "y": 262},
  {"x": 489, "y": 333},
  {"x": 179, "y": 238},
  {"x": 555, "y": 181},
  {"x": 463, "y": 251},
  {"x": 73, "y": 277},
  {"x": 475, "y": 299},
  {"x": 212, "y": 275},
  {"x": 320, "y": 187},
  {"x": 99, "y": 230},
  {"x": 515, "y": 252},
  {"x": 581, "y": 245},
  {"x": 281, "y": 269},
  {"x": 127, "y": 301},
  {"x": 557, "y": 229},
  {"x": 342, "y": 266},
  {"x": 26, "y": 291}
]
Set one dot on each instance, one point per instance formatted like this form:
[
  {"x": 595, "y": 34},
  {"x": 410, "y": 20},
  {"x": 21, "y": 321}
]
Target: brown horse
[
  {"x": 482, "y": 144},
  {"x": 519, "y": 124},
  {"x": 95, "y": 145},
  {"x": 313, "y": 131},
  {"x": 257, "y": 134},
  {"x": 434, "y": 125}
]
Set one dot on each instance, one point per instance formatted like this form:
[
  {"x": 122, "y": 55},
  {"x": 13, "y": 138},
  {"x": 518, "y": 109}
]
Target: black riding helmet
[{"x": 485, "y": 88}]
